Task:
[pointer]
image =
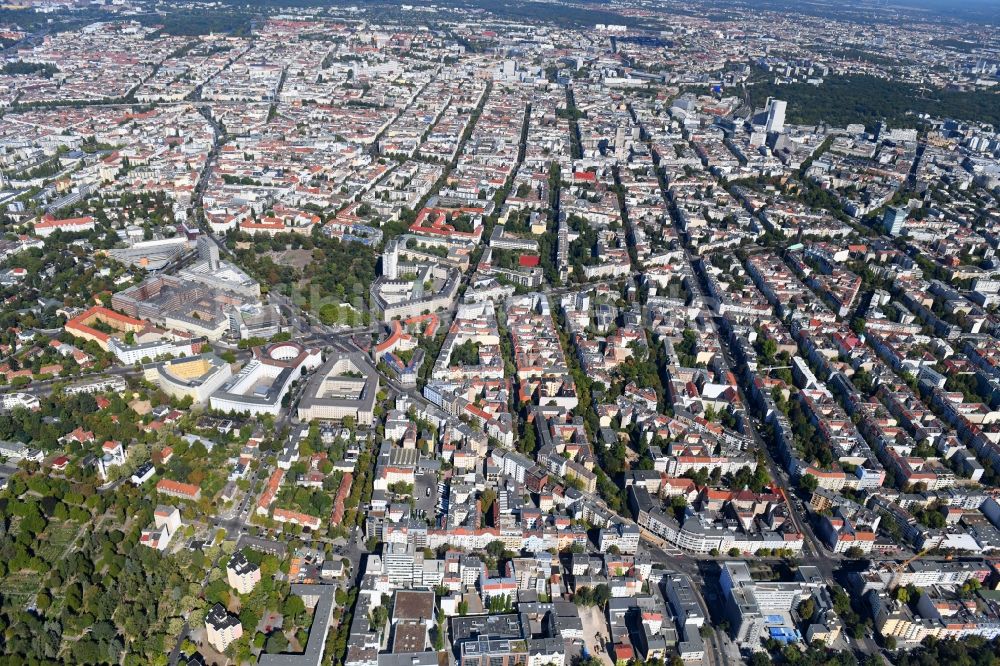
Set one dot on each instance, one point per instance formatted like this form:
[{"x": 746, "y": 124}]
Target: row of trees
[{"x": 596, "y": 596}]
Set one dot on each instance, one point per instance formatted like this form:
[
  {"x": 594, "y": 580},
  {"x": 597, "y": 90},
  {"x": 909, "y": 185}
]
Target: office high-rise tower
[
  {"x": 776, "y": 116},
  {"x": 390, "y": 260},
  {"x": 893, "y": 220}
]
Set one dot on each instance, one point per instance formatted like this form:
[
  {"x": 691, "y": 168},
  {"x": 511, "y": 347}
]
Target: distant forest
[
  {"x": 200, "y": 22},
  {"x": 514, "y": 10},
  {"x": 841, "y": 100},
  {"x": 22, "y": 67}
]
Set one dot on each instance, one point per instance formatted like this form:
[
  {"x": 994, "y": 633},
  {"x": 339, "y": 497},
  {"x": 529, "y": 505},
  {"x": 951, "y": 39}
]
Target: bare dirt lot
[
  {"x": 297, "y": 259},
  {"x": 594, "y": 626}
]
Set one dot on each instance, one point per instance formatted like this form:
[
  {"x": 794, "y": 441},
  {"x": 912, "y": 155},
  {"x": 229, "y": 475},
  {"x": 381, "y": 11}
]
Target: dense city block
[{"x": 499, "y": 334}]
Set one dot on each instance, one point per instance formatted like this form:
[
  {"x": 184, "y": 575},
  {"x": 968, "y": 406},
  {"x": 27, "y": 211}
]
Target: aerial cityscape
[{"x": 482, "y": 333}]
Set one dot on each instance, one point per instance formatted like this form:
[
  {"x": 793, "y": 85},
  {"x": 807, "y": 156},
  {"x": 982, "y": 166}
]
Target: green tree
[
  {"x": 807, "y": 609},
  {"x": 486, "y": 499},
  {"x": 276, "y": 643},
  {"x": 379, "y": 617}
]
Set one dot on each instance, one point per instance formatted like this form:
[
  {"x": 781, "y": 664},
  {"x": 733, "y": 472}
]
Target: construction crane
[{"x": 898, "y": 569}]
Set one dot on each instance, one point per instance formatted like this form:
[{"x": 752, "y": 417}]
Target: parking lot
[{"x": 424, "y": 500}]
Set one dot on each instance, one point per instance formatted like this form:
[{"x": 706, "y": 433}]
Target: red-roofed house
[
  {"x": 177, "y": 489},
  {"x": 49, "y": 225},
  {"x": 297, "y": 518},
  {"x": 623, "y": 653},
  {"x": 81, "y": 325}
]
